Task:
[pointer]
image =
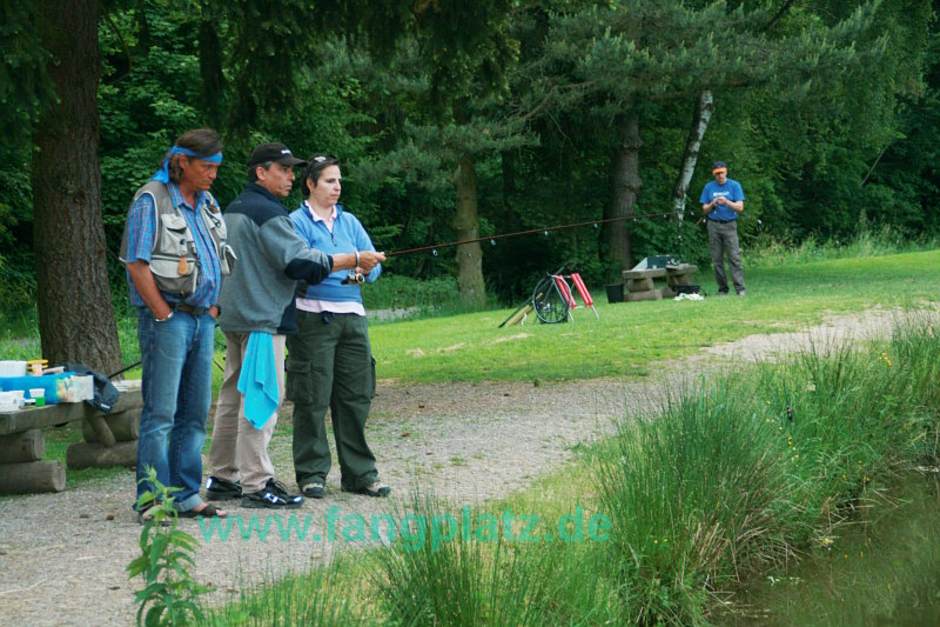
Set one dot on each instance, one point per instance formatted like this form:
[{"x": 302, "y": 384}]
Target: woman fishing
[{"x": 330, "y": 361}]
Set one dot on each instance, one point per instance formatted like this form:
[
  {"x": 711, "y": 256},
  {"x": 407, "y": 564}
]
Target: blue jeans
[{"x": 176, "y": 356}]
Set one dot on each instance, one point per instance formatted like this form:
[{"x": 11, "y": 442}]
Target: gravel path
[{"x": 62, "y": 556}]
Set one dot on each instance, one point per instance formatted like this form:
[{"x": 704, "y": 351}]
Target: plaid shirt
[{"x": 141, "y": 230}]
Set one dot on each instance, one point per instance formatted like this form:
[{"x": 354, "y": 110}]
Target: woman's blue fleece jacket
[{"x": 348, "y": 236}]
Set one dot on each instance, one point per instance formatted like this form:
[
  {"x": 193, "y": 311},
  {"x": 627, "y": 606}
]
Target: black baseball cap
[
  {"x": 274, "y": 152},
  {"x": 719, "y": 165}
]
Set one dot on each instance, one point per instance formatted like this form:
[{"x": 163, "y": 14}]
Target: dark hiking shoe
[
  {"x": 273, "y": 496},
  {"x": 222, "y": 489},
  {"x": 314, "y": 490},
  {"x": 377, "y": 489}
]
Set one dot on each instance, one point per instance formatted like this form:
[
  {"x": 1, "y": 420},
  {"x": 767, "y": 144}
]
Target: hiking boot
[
  {"x": 314, "y": 490},
  {"x": 222, "y": 489},
  {"x": 273, "y": 496},
  {"x": 376, "y": 488}
]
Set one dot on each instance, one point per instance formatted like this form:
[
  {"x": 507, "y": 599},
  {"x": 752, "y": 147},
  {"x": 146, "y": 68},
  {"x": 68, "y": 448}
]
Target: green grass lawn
[{"x": 629, "y": 336}]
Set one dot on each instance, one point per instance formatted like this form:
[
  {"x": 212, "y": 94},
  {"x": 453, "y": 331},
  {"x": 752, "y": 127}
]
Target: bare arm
[
  {"x": 736, "y": 206},
  {"x": 367, "y": 260}
]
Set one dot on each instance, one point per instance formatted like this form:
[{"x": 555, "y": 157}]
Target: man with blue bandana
[
  {"x": 722, "y": 202},
  {"x": 175, "y": 251}
]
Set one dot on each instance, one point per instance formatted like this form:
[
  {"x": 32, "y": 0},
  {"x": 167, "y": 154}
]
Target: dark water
[{"x": 883, "y": 569}]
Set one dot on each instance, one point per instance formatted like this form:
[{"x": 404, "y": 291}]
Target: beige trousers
[{"x": 239, "y": 451}]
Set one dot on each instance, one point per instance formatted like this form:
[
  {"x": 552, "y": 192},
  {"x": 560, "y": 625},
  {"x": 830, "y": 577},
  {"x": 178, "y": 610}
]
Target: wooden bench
[
  {"x": 110, "y": 440},
  {"x": 641, "y": 284},
  {"x": 679, "y": 275}
]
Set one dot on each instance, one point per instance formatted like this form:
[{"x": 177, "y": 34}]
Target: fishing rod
[
  {"x": 355, "y": 277},
  {"x": 140, "y": 361},
  {"x": 545, "y": 230}
]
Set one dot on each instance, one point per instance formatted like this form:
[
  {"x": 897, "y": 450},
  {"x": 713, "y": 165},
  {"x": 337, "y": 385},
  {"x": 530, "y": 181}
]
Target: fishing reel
[{"x": 354, "y": 277}]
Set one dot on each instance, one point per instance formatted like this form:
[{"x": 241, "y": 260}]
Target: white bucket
[{"x": 12, "y": 368}]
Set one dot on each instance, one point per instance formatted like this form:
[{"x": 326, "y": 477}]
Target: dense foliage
[{"x": 525, "y": 94}]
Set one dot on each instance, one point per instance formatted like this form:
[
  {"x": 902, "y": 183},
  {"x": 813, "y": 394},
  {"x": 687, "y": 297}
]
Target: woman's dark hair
[
  {"x": 205, "y": 142},
  {"x": 315, "y": 165}
]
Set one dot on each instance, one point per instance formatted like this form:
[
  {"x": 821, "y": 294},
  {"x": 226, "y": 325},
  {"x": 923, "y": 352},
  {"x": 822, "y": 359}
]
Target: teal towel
[{"x": 258, "y": 380}]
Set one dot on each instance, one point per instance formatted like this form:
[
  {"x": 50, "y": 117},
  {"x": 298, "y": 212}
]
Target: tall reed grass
[
  {"x": 483, "y": 579},
  {"x": 746, "y": 473},
  {"x": 695, "y": 497},
  {"x": 310, "y": 600}
]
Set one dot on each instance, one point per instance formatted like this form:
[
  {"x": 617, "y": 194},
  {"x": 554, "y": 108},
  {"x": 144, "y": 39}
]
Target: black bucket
[{"x": 615, "y": 293}]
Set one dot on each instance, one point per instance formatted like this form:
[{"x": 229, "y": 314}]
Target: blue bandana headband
[{"x": 163, "y": 174}]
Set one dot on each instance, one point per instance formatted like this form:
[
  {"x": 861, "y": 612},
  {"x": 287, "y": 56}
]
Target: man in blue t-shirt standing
[{"x": 722, "y": 202}]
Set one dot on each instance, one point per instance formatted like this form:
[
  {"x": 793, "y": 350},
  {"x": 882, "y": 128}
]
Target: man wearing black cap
[
  {"x": 256, "y": 312},
  {"x": 722, "y": 202}
]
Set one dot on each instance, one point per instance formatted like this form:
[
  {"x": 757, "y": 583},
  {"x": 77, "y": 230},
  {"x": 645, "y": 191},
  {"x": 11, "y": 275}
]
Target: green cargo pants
[{"x": 329, "y": 365}]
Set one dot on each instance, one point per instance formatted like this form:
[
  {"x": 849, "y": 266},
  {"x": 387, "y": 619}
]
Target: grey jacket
[{"x": 272, "y": 258}]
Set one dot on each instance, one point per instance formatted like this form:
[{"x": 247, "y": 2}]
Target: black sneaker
[
  {"x": 314, "y": 490},
  {"x": 222, "y": 489},
  {"x": 273, "y": 496}
]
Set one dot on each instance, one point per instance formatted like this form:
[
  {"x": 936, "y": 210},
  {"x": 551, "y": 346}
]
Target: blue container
[{"x": 48, "y": 382}]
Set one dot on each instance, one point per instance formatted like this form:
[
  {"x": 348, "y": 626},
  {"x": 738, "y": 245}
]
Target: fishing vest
[{"x": 174, "y": 264}]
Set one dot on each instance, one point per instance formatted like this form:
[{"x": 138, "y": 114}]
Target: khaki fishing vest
[{"x": 173, "y": 260}]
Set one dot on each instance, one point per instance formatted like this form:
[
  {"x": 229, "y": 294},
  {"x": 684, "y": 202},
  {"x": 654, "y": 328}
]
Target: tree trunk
[
  {"x": 508, "y": 162},
  {"x": 467, "y": 224},
  {"x": 625, "y": 187},
  {"x": 703, "y": 115},
  {"x": 76, "y": 317}
]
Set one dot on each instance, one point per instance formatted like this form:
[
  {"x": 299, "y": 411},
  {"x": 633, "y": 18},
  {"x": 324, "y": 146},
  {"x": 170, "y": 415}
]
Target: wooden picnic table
[
  {"x": 642, "y": 285},
  {"x": 110, "y": 440}
]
